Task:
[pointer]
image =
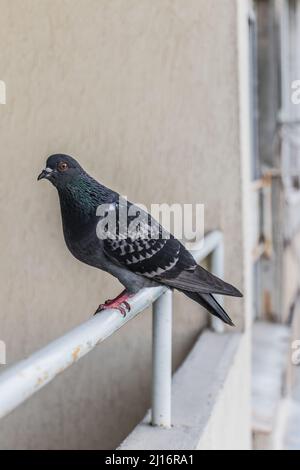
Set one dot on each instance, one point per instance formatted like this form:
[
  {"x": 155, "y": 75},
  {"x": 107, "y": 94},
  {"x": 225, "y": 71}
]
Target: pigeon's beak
[{"x": 45, "y": 173}]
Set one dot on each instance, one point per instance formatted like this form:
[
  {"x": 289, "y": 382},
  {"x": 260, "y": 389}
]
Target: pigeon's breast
[{"x": 83, "y": 243}]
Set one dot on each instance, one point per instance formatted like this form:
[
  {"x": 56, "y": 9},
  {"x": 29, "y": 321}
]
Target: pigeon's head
[{"x": 61, "y": 170}]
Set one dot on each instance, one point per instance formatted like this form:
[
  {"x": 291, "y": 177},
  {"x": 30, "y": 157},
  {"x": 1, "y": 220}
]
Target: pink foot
[{"x": 119, "y": 303}]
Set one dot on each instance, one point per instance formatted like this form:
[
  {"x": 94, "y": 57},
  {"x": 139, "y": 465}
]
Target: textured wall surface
[{"x": 144, "y": 94}]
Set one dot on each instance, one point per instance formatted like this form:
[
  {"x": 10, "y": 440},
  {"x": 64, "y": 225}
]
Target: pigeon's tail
[
  {"x": 201, "y": 281},
  {"x": 209, "y": 302}
]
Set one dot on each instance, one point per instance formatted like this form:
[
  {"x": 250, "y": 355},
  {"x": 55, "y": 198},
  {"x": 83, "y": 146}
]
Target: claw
[
  {"x": 100, "y": 308},
  {"x": 122, "y": 311},
  {"x": 119, "y": 303},
  {"x": 127, "y": 305}
]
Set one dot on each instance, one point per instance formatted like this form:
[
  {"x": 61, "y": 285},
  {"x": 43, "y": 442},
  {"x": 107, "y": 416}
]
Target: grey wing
[
  {"x": 163, "y": 259},
  {"x": 146, "y": 248}
]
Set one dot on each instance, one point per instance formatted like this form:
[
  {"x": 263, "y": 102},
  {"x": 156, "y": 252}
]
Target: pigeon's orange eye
[{"x": 62, "y": 166}]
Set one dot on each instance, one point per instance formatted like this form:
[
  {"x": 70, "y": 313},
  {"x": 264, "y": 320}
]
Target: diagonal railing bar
[{"x": 25, "y": 378}]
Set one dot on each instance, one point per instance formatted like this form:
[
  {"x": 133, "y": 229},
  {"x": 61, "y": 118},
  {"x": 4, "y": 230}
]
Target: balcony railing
[{"x": 20, "y": 381}]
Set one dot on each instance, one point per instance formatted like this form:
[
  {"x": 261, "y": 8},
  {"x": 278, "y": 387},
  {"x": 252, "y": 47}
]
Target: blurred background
[{"x": 168, "y": 101}]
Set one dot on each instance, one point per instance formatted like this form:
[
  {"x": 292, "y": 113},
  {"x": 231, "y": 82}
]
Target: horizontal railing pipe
[{"x": 25, "y": 378}]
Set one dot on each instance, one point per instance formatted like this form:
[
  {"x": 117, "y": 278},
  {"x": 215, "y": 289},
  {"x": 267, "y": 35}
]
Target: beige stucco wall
[{"x": 145, "y": 94}]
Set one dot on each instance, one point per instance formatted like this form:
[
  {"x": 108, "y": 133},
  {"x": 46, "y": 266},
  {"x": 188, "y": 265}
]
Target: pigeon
[{"x": 135, "y": 249}]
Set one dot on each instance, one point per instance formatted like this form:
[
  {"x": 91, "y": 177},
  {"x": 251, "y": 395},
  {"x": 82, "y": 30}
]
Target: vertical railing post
[
  {"x": 217, "y": 267},
  {"x": 162, "y": 360}
]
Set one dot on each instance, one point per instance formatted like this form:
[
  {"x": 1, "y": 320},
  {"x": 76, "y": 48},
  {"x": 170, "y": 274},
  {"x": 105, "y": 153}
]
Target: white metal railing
[{"x": 20, "y": 381}]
